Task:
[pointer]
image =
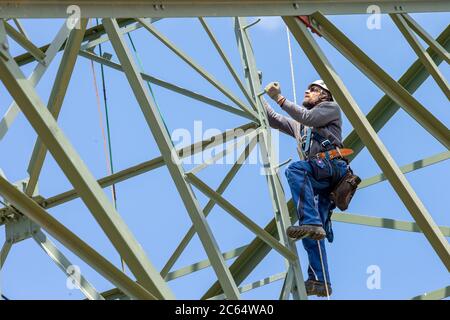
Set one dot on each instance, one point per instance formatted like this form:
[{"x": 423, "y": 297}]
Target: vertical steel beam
[
  {"x": 421, "y": 53},
  {"x": 273, "y": 180},
  {"x": 35, "y": 77},
  {"x": 383, "y": 80},
  {"x": 56, "y": 99},
  {"x": 64, "y": 264},
  {"x": 81, "y": 178},
  {"x": 173, "y": 163},
  {"x": 37, "y": 214},
  {"x": 371, "y": 140}
]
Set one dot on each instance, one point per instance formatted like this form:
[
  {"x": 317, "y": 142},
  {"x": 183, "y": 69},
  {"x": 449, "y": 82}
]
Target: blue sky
[{"x": 149, "y": 203}]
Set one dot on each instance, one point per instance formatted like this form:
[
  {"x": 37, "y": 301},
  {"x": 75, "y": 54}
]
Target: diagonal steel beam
[
  {"x": 149, "y": 165},
  {"x": 421, "y": 53},
  {"x": 64, "y": 264},
  {"x": 227, "y": 62},
  {"x": 208, "y": 77},
  {"x": 209, "y": 206},
  {"x": 38, "y": 215},
  {"x": 437, "y": 47},
  {"x": 173, "y": 163},
  {"x": 382, "y": 79},
  {"x": 55, "y": 101},
  {"x": 92, "y": 34},
  {"x": 4, "y": 252},
  {"x": 169, "y": 86},
  {"x": 385, "y": 108},
  {"x": 407, "y": 168},
  {"x": 25, "y": 43},
  {"x": 81, "y": 178},
  {"x": 371, "y": 140},
  {"x": 435, "y": 295},
  {"x": 242, "y": 218},
  {"x": 35, "y": 77}
]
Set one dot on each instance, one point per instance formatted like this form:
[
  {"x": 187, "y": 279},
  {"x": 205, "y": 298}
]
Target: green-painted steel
[
  {"x": 227, "y": 62},
  {"x": 370, "y": 138},
  {"x": 170, "y": 86},
  {"x": 407, "y": 168},
  {"x": 437, "y": 47},
  {"x": 275, "y": 188},
  {"x": 83, "y": 181},
  {"x": 25, "y": 43},
  {"x": 171, "y": 158},
  {"x": 56, "y": 100},
  {"x": 209, "y": 206},
  {"x": 220, "y": 155},
  {"x": 385, "y": 82},
  {"x": 241, "y": 217},
  {"x": 149, "y": 165},
  {"x": 385, "y": 108},
  {"x": 91, "y": 34},
  {"x": 35, "y": 77},
  {"x": 64, "y": 264},
  {"x": 434, "y": 295},
  {"x": 382, "y": 223},
  {"x": 6, "y": 248},
  {"x": 202, "y": 72},
  {"x": 213, "y": 8},
  {"x": 424, "y": 57},
  {"x": 38, "y": 215},
  {"x": 202, "y": 264},
  {"x": 256, "y": 284}
]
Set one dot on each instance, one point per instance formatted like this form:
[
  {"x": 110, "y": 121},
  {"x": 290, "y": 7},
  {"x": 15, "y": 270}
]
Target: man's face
[{"x": 312, "y": 96}]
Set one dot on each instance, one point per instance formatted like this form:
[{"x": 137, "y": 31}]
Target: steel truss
[{"x": 25, "y": 215}]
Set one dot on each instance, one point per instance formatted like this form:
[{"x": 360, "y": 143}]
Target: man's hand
[{"x": 274, "y": 91}]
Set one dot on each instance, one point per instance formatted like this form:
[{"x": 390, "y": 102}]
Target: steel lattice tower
[{"x": 25, "y": 212}]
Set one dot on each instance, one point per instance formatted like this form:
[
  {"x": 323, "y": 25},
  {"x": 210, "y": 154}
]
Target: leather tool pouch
[{"x": 344, "y": 190}]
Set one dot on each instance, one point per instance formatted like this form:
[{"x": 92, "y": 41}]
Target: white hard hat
[{"x": 321, "y": 84}]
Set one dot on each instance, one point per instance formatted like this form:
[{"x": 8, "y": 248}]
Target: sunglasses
[{"x": 314, "y": 89}]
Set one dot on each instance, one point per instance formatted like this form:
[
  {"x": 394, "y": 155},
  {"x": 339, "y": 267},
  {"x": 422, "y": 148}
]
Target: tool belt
[{"x": 334, "y": 153}]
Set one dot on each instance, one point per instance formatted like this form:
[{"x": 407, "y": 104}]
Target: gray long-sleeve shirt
[{"x": 325, "y": 119}]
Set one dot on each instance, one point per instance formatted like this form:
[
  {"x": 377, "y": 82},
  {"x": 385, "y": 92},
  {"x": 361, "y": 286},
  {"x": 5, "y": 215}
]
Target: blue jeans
[{"x": 310, "y": 182}]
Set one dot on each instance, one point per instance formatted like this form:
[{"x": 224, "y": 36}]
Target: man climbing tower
[{"x": 316, "y": 126}]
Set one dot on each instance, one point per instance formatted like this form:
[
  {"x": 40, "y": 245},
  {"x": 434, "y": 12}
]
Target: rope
[
  {"x": 291, "y": 63},
  {"x": 323, "y": 270},
  {"x": 107, "y": 145},
  {"x": 148, "y": 82}
]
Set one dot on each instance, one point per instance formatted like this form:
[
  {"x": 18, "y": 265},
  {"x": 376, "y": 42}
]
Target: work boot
[
  {"x": 317, "y": 288},
  {"x": 315, "y": 232}
]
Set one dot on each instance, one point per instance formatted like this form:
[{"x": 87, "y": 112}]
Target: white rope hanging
[{"x": 291, "y": 64}]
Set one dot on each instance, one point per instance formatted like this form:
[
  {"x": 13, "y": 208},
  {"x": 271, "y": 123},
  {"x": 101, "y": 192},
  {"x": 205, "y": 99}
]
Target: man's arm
[
  {"x": 280, "y": 122},
  {"x": 318, "y": 116}
]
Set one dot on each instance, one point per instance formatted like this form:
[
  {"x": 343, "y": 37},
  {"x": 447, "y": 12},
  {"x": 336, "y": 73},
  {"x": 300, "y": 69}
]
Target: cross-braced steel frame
[{"x": 25, "y": 212}]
